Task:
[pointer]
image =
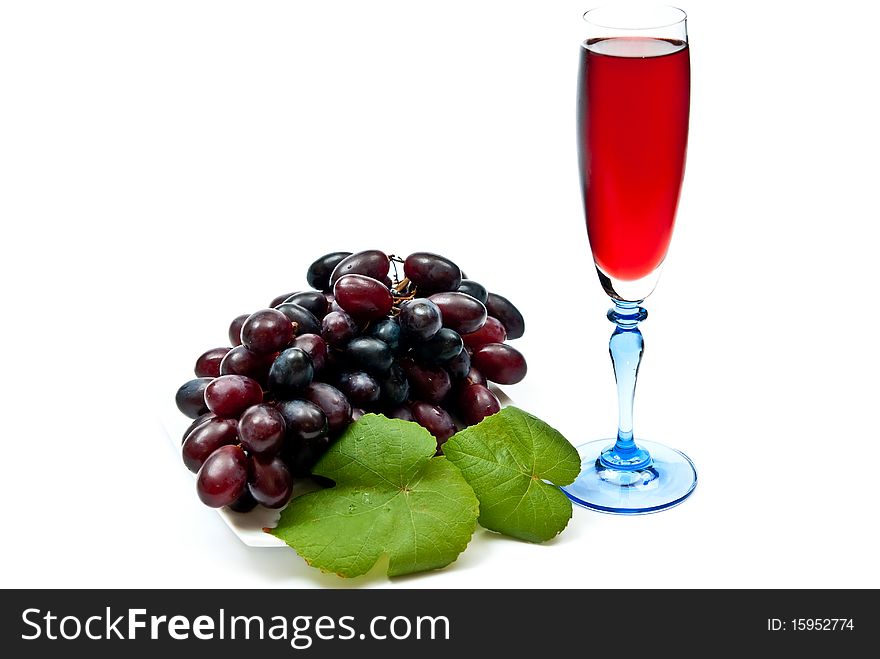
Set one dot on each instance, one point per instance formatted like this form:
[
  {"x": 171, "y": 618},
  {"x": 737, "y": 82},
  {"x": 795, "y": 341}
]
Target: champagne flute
[{"x": 633, "y": 107}]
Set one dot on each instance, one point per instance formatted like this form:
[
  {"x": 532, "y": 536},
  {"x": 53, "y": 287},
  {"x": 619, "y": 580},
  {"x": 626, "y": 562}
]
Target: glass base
[{"x": 666, "y": 481}]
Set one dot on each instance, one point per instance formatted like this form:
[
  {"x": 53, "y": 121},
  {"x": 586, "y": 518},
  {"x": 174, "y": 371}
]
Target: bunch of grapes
[{"x": 419, "y": 346}]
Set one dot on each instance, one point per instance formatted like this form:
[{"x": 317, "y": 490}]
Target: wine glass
[{"x": 633, "y": 106}]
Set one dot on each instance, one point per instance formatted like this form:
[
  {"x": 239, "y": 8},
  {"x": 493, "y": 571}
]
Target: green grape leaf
[
  {"x": 507, "y": 458},
  {"x": 392, "y": 496}
]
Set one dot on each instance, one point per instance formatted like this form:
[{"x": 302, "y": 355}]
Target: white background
[{"x": 167, "y": 165}]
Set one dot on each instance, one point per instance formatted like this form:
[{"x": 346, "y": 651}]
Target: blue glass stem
[{"x": 626, "y": 348}]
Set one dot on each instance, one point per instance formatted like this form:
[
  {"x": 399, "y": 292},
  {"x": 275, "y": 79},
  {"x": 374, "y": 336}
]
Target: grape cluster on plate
[{"x": 419, "y": 345}]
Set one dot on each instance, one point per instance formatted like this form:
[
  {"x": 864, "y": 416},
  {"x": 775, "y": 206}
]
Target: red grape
[
  {"x": 432, "y": 273},
  {"x": 266, "y": 331},
  {"x": 500, "y": 363},
  {"x": 429, "y": 383},
  {"x": 362, "y": 297},
  {"x": 491, "y": 332},
  {"x": 235, "y": 329},
  {"x": 230, "y": 395},
  {"x": 223, "y": 476},
  {"x": 461, "y": 312},
  {"x": 206, "y": 439},
  {"x": 269, "y": 481},
  {"x": 261, "y": 429},
  {"x": 208, "y": 364},
  {"x": 241, "y": 361},
  {"x": 199, "y": 420},
  {"x": 371, "y": 263},
  {"x": 338, "y": 328},
  {"x": 434, "y": 419},
  {"x": 475, "y": 403}
]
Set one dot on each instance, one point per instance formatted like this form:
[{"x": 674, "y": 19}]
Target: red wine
[{"x": 633, "y": 102}]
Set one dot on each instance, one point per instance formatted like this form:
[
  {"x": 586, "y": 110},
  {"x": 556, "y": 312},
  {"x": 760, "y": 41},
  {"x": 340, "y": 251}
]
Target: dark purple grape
[
  {"x": 371, "y": 263},
  {"x": 401, "y": 412},
  {"x": 356, "y": 413},
  {"x": 460, "y": 365},
  {"x": 190, "y": 398},
  {"x": 290, "y": 373},
  {"x": 440, "y": 348},
  {"x": 388, "y": 331},
  {"x": 333, "y": 404},
  {"x": 305, "y": 420},
  {"x": 269, "y": 481},
  {"x": 305, "y": 320},
  {"x": 369, "y": 354},
  {"x": 362, "y": 389},
  {"x": 241, "y": 361},
  {"x": 319, "y": 272},
  {"x": 474, "y": 289},
  {"x": 432, "y": 273},
  {"x": 420, "y": 319},
  {"x": 474, "y": 377},
  {"x": 461, "y": 312},
  {"x": 491, "y": 332},
  {"x": 429, "y": 383},
  {"x": 338, "y": 328},
  {"x": 199, "y": 420},
  {"x": 315, "y": 347},
  {"x": 223, "y": 476},
  {"x": 313, "y": 301},
  {"x": 435, "y": 420},
  {"x": 230, "y": 395},
  {"x": 261, "y": 429},
  {"x": 503, "y": 309},
  {"x": 301, "y": 456},
  {"x": 266, "y": 331},
  {"x": 500, "y": 363},
  {"x": 208, "y": 364},
  {"x": 280, "y": 299},
  {"x": 235, "y": 329},
  {"x": 475, "y": 403},
  {"x": 206, "y": 439},
  {"x": 243, "y": 504},
  {"x": 395, "y": 386},
  {"x": 363, "y": 298}
]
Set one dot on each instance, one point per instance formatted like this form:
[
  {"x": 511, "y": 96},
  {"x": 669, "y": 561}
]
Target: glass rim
[{"x": 681, "y": 12}]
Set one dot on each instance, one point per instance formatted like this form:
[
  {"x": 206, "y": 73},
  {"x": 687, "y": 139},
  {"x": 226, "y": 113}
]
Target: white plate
[{"x": 249, "y": 526}]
